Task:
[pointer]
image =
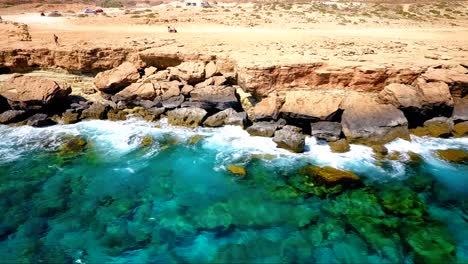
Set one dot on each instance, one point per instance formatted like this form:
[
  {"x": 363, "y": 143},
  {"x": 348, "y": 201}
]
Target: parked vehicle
[
  {"x": 89, "y": 11},
  {"x": 54, "y": 14},
  {"x": 99, "y": 10}
]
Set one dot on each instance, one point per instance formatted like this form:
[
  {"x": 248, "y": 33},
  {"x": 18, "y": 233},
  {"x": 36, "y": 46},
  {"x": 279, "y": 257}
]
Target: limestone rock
[
  {"x": 339, "y": 146},
  {"x": 29, "y": 92},
  {"x": 144, "y": 91},
  {"x": 457, "y": 81},
  {"x": 40, "y": 120},
  {"x": 366, "y": 121},
  {"x": 238, "y": 170},
  {"x": 329, "y": 176},
  {"x": 435, "y": 127},
  {"x": 96, "y": 111},
  {"x": 460, "y": 129},
  {"x": 329, "y": 131},
  {"x": 435, "y": 93},
  {"x": 12, "y": 116},
  {"x": 460, "y": 110},
  {"x": 150, "y": 70},
  {"x": 453, "y": 155},
  {"x": 210, "y": 69},
  {"x": 191, "y": 72},
  {"x": 268, "y": 108},
  {"x": 189, "y": 117},
  {"x": 214, "y": 98},
  {"x": 401, "y": 95},
  {"x": 313, "y": 105},
  {"x": 226, "y": 117},
  {"x": 173, "y": 102},
  {"x": 114, "y": 80},
  {"x": 263, "y": 129},
  {"x": 169, "y": 89},
  {"x": 70, "y": 117},
  {"x": 290, "y": 138}
]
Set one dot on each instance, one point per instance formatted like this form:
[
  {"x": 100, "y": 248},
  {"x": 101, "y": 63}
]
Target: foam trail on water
[{"x": 232, "y": 144}]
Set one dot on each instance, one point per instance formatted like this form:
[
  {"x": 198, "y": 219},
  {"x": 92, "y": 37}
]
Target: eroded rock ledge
[{"x": 371, "y": 105}]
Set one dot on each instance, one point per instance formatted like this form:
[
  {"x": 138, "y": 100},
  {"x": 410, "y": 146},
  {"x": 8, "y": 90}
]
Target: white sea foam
[{"x": 231, "y": 143}]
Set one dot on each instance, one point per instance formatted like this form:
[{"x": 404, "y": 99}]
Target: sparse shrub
[
  {"x": 110, "y": 3},
  {"x": 435, "y": 12}
]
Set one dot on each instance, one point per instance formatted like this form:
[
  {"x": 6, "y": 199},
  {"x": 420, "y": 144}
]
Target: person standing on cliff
[{"x": 56, "y": 40}]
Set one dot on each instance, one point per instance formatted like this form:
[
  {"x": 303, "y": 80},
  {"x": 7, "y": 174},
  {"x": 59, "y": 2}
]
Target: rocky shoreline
[{"x": 367, "y": 106}]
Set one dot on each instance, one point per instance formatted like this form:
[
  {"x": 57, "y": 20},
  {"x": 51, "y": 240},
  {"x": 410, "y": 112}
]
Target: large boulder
[
  {"x": 419, "y": 102},
  {"x": 145, "y": 91},
  {"x": 190, "y": 72},
  {"x": 460, "y": 110},
  {"x": 213, "y": 98},
  {"x": 40, "y": 120},
  {"x": 366, "y": 121},
  {"x": 435, "y": 127},
  {"x": 457, "y": 81},
  {"x": 12, "y": 116},
  {"x": 189, "y": 117},
  {"x": 329, "y": 131},
  {"x": 226, "y": 117},
  {"x": 312, "y": 105},
  {"x": 114, "y": 80},
  {"x": 149, "y": 90},
  {"x": 96, "y": 111},
  {"x": 210, "y": 69},
  {"x": 290, "y": 138},
  {"x": 339, "y": 146},
  {"x": 29, "y": 92},
  {"x": 264, "y": 128},
  {"x": 460, "y": 129},
  {"x": 329, "y": 176},
  {"x": 268, "y": 108}
]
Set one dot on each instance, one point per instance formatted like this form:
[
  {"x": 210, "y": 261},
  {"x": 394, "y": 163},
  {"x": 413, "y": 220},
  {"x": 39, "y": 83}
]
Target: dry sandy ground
[{"x": 263, "y": 34}]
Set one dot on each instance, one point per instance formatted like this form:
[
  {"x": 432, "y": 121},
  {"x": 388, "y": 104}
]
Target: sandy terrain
[{"x": 263, "y": 34}]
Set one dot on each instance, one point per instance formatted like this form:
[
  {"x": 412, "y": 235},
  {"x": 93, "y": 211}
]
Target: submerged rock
[
  {"x": 72, "y": 146},
  {"x": 194, "y": 139},
  {"x": 329, "y": 175},
  {"x": 460, "y": 129},
  {"x": 453, "y": 155},
  {"x": 189, "y": 117},
  {"x": 402, "y": 201},
  {"x": 290, "y": 138},
  {"x": 146, "y": 141},
  {"x": 339, "y": 146},
  {"x": 430, "y": 242},
  {"x": 238, "y": 170}
]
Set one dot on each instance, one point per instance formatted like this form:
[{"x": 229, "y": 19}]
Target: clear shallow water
[{"x": 174, "y": 201}]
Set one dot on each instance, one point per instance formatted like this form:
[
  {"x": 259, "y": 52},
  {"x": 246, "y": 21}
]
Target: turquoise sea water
[{"x": 174, "y": 201}]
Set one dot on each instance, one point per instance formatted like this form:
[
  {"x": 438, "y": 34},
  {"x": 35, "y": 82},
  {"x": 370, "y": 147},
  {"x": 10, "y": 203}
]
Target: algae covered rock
[
  {"x": 430, "y": 242},
  {"x": 339, "y": 146},
  {"x": 329, "y": 175},
  {"x": 146, "y": 141},
  {"x": 453, "y": 155},
  {"x": 402, "y": 201},
  {"x": 435, "y": 127},
  {"x": 72, "y": 146},
  {"x": 460, "y": 129},
  {"x": 195, "y": 139},
  {"x": 237, "y": 170},
  {"x": 189, "y": 117},
  {"x": 323, "y": 180}
]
